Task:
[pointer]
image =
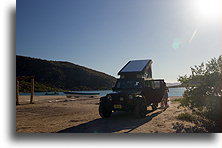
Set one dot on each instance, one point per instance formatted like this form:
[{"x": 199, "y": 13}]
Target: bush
[
  {"x": 186, "y": 117},
  {"x": 203, "y": 90}
]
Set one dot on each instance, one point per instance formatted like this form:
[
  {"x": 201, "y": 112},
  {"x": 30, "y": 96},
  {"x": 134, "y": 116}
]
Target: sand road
[{"x": 52, "y": 114}]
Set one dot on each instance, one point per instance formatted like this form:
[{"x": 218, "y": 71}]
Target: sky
[{"x": 105, "y": 34}]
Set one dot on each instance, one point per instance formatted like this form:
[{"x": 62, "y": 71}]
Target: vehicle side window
[
  {"x": 118, "y": 84},
  {"x": 148, "y": 84},
  {"x": 156, "y": 84}
]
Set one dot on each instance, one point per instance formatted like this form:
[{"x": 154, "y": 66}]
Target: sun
[{"x": 208, "y": 9}]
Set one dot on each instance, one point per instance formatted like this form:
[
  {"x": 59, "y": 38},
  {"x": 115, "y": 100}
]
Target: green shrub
[
  {"x": 186, "y": 117},
  {"x": 177, "y": 100},
  {"x": 203, "y": 91}
]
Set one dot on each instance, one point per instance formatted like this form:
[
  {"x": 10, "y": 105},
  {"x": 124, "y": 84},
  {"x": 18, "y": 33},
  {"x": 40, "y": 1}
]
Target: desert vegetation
[
  {"x": 60, "y": 75},
  {"x": 203, "y": 95}
]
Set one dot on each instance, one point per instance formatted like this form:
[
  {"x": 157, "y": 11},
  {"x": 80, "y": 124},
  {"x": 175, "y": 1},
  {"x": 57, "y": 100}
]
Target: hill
[
  {"x": 173, "y": 85},
  {"x": 60, "y": 75}
]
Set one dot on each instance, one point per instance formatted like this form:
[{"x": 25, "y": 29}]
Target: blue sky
[{"x": 105, "y": 34}]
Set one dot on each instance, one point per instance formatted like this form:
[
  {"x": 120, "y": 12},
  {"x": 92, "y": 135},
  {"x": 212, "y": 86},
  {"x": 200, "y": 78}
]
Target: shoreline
[
  {"x": 172, "y": 93},
  {"x": 24, "y": 99}
]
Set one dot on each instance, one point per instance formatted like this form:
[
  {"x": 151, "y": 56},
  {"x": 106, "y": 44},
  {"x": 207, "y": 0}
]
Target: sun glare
[{"x": 208, "y": 9}]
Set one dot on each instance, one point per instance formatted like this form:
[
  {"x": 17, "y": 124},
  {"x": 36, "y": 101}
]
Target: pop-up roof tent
[{"x": 137, "y": 69}]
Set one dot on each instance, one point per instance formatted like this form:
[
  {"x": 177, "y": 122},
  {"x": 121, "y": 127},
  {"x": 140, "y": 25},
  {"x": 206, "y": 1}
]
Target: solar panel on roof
[{"x": 135, "y": 66}]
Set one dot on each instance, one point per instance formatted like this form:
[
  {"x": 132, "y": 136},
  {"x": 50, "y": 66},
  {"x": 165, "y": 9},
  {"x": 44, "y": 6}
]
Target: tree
[{"x": 203, "y": 90}]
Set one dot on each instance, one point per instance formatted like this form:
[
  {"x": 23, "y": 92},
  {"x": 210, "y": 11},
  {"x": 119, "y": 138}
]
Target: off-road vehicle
[{"x": 134, "y": 91}]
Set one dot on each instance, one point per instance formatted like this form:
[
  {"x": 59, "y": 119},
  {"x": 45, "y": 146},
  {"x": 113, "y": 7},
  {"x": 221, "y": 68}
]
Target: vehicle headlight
[
  {"x": 130, "y": 97},
  {"x": 138, "y": 96},
  {"x": 109, "y": 97}
]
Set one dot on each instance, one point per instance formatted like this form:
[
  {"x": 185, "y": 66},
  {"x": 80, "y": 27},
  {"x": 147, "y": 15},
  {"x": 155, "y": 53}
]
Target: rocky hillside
[{"x": 62, "y": 75}]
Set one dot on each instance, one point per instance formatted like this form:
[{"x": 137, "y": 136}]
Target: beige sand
[{"x": 80, "y": 115}]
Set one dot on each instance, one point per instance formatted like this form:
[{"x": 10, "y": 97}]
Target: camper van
[{"x": 134, "y": 91}]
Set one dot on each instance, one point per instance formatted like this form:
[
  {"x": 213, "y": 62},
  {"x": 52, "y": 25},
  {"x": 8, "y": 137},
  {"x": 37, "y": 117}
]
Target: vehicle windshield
[{"x": 128, "y": 84}]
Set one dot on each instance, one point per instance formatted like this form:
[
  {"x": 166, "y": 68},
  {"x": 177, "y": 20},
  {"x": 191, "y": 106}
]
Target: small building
[{"x": 137, "y": 69}]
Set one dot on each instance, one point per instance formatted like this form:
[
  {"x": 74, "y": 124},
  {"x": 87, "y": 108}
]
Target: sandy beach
[{"x": 50, "y": 114}]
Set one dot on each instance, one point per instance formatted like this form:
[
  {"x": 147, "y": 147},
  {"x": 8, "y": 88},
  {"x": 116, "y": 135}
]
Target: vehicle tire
[
  {"x": 154, "y": 107},
  {"x": 105, "y": 110},
  {"x": 140, "y": 110}
]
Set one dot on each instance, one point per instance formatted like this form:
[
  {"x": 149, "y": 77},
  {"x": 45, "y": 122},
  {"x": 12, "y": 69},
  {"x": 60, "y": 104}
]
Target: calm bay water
[{"x": 172, "y": 92}]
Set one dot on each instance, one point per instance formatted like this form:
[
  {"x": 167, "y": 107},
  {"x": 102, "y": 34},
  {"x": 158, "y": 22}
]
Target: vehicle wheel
[
  {"x": 140, "y": 110},
  {"x": 105, "y": 110},
  {"x": 154, "y": 107}
]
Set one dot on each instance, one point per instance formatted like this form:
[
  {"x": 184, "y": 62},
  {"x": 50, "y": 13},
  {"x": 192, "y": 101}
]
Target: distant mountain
[
  {"x": 173, "y": 85},
  {"x": 62, "y": 75}
]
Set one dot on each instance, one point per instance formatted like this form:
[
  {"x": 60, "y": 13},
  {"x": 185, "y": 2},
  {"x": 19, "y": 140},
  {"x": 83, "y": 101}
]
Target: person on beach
[{"x": 164, "y": 102}]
